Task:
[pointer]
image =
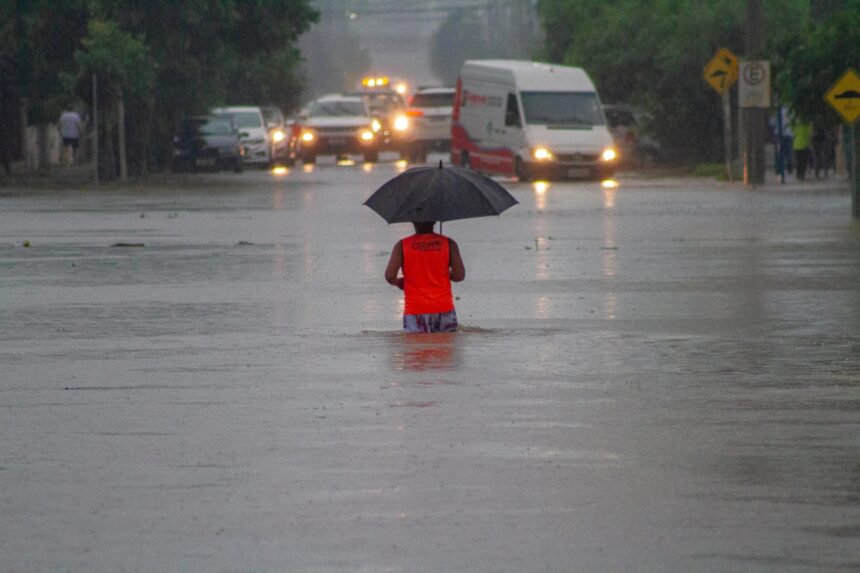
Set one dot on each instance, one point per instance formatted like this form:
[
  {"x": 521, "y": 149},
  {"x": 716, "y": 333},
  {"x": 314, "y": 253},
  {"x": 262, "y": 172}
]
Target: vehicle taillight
[{"x": 414, "y": 112}]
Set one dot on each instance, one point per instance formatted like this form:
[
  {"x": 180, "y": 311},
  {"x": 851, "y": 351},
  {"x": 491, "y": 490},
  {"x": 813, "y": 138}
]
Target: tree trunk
[
  {"x": 44, "y": 153},
  {"x": 120, "y": 118}
]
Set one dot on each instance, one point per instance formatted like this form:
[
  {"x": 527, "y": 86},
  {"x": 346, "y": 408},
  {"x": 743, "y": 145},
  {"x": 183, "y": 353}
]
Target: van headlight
[
  {"x": 308, "y": 136},
  {"x": 401, "y": 123},
  {"x": 542, "y": 154},
  {"x": 609, "y": 154},
  {"x": 375, "y": 125}
]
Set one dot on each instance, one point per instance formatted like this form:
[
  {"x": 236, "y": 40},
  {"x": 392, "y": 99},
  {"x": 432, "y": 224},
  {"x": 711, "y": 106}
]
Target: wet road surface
[{"x": 662, "y": 376}]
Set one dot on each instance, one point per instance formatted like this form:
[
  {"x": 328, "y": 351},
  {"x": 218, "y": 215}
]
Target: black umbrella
[{"x": 439, "y": 194}]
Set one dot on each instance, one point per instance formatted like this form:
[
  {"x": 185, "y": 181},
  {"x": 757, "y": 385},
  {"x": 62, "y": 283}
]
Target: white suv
[
  {"x": 430, "y": 113},
  {"x": 252, "y": 130},
  {"x": 338, "y": 125}
]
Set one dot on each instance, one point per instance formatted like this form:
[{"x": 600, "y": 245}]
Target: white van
[{"x": 530, "y": 120}]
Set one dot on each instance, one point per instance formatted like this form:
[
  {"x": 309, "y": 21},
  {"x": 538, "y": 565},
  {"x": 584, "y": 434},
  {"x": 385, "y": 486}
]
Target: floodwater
[{"x": 209, "y": 376}]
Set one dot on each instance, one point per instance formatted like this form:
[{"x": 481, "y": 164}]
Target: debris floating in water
[{"x": 128, "y": 245}]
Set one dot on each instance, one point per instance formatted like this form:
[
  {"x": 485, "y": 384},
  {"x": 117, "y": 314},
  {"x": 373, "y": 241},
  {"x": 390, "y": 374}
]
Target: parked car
[
  {"x": 389, "y": 107},
  {"x": 252, "y": 129},
  {"x": 628, "y": 127},
  {"x": 283, "y": 146},
  {"x": 338, "y": 125},
  {"x": 207, "y": 142},
  {"x": 430, "y": 113}
]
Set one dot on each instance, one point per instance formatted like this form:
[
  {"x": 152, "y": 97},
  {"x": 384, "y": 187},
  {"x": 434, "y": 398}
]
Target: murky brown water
[{"x": 663, "y": 376}]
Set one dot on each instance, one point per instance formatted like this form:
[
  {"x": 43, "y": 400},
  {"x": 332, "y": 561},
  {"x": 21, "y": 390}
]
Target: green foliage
[
  {"x": 118, "y": 58},
  {"x": 651, "y": 55},
  {"x": 816, "y": 60},
  {"x": 169, "y": 58}
]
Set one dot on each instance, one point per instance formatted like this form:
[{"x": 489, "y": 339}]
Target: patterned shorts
[{"x": 437, "y": 322}]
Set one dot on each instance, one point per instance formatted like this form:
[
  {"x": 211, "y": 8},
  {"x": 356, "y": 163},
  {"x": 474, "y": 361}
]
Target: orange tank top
[{"x": 426, "y": 274}]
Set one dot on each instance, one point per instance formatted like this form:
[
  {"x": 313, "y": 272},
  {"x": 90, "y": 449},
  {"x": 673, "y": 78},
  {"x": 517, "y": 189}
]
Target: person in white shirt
[{"x": 71, "y": 128}]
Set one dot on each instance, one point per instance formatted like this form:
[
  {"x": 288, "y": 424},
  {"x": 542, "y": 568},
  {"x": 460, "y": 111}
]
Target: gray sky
[{"x": 399, "y": 44}]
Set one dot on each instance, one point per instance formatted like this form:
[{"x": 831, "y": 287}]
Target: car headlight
[
  {"x": 542, "y": 154},
  {"x": 609, "y": 154},
  {"x": 376, "y": 126},
  {"x": 308, "y": 136},
  {"x": 366, "y": 135},
  {"x": 278, "y": 136},
  {"x": 401, "y": 123}
]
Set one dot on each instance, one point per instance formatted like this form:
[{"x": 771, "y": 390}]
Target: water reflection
[
  {"x": 308, "y": 167},
  {"x": 280, "y": 171},
  {"x": 423, "y": 352},
  {"x": 367, "y": 167},
  {"x": 346, "y": 161},
  {"x": 610, "y": 187},
  {"x": 609, "y": 250},
  {"x": 401, "y": 165},
  {"x": 540, "y": 189}
]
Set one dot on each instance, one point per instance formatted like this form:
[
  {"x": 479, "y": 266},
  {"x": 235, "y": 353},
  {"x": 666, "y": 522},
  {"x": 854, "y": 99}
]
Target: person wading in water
[{"x": 430, "y": 262}]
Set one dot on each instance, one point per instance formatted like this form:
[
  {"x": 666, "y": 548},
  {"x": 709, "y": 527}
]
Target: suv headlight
[
  {"x": 366, "y": 136},
  {"x": 376, "y": 126},
  {"x": 542, "y": 154},
  {"x": 401, "y": 123},
  {"x": 278, "y": 135},
  {"x": 609, "y": 154},
  {"x": 308, "y": 136}
]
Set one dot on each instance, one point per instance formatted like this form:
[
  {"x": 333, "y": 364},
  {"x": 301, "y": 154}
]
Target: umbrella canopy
[{"x": 439, "y": 194}]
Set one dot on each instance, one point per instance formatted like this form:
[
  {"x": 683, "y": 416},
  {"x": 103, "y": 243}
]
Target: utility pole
[{"x": 755, "y": 119}]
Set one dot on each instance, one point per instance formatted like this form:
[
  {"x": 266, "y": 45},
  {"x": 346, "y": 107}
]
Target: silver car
[{"x": 430, "y": 113}]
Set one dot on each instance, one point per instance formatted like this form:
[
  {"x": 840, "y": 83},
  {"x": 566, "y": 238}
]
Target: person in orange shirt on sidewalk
[{"x": 430, "y": 262}]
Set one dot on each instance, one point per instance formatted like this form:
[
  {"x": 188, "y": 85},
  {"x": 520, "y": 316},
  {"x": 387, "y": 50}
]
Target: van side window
[{"x": 512, "y": 113}]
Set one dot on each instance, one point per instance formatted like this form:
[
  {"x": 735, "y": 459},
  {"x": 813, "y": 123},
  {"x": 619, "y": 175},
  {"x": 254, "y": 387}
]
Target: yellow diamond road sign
[
  {"x": 844, "y": 96},
  {"x": 722, "y": 71}
]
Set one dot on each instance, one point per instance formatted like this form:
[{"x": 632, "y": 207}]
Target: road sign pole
[
  {"x": 755, "y": 117},
  {"x": 727, "y": 133},
  {"x": 855, "y": 170}
]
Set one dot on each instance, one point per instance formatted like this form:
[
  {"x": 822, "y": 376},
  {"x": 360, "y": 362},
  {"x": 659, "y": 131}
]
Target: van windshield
[{"x": 561, "y": 109}]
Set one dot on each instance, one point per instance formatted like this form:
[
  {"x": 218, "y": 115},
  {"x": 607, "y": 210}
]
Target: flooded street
[{"x": 658, "y": 376}]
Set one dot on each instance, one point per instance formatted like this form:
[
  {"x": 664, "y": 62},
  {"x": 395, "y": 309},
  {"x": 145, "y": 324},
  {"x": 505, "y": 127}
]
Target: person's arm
[
  {"x": 458, "y": 270},
  {"x": 395, "y": 263}
]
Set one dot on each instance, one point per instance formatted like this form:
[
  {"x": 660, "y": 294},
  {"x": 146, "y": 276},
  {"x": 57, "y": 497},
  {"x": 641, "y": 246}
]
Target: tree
[
  {"x": 816, "y": 60},
  {"x": 208, "y": 52},
  {"x": 651, "y": 55},
  {"x": 124, "y": 69}
]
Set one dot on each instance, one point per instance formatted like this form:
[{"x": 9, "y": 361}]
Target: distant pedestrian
[
  {"x": 429, "y": 262},
  {"x": 71, "y": 128},
  {"x": 783, "y": 141},
  {"x": 802, "y": 143},
  {"x": 823, "y": 150}
]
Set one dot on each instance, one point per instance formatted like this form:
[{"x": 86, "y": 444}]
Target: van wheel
[
  {"x": 520, "y": 170},
  {"x": 465, "y": 162}
]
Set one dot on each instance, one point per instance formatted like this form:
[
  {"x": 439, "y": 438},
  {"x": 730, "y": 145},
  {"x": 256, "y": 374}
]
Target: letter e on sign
[{"x": 754, "y": 84}]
